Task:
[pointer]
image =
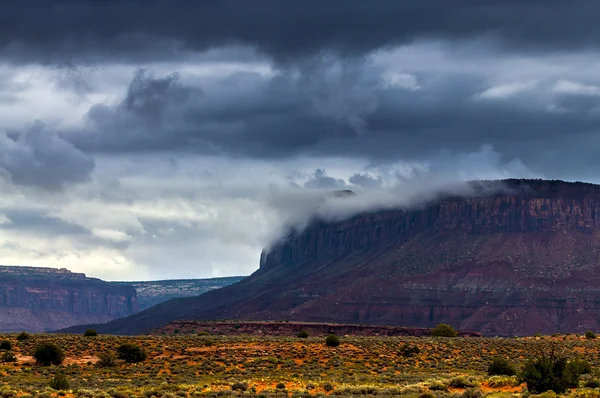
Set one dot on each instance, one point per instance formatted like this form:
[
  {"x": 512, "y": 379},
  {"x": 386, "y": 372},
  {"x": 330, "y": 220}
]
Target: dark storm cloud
[
  {"x": 68, "y": 30},
  {"x": 38, "y": 157},
  {"x": 344, "y": 109}
]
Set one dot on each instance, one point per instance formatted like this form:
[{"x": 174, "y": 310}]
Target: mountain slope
[{"x": 516, "y": 262}]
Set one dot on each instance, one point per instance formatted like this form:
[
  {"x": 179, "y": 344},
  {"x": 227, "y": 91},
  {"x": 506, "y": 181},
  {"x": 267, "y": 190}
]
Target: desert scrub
[
  {"x": 502, "y": 381},
  {"x": 48, "y": 354}
]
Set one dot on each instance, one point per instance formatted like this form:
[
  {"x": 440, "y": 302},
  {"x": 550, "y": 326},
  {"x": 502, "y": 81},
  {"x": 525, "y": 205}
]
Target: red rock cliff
[
  {"x": 522, "y": 260},
  {"x": 44, "y": 299}
]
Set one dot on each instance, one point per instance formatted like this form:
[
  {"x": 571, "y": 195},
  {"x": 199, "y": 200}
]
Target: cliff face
[
  {"x": 519, "y": 260},
  {"x": 44, "y": 299}
]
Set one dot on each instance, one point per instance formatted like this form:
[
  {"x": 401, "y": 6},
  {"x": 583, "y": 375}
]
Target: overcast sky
[{"x": 175, "y": 139}]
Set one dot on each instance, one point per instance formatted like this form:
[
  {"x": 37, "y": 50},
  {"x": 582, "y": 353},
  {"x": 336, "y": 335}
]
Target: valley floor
[{"x": 201, "y": 365}]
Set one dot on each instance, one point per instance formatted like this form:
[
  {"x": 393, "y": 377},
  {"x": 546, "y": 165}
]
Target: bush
[
  {"x": 48, "y": 354},
  {"x": 590, "y": 335},
  {"x": 107, "y": 360},
  {"x": 594, "y": 383},
  {"x": 472, "y": 393},
  {"x": 239, "y": 386},
  {"x": 8, "y": 356},
  {"x": 23, "y": 336},
  {"x": 90, "y": 333},
  {"x": 5, "y": 345},
  {"x": 461, "y": 382},
  {"x": 444, "y": 330},
  {"x": 552, "y": 372},
  {"x": 280, "y": 386},
  {"x": 303, "y": 334},
  {"x": 328, "y": 387},
  {"x": 332, "y": 341},
  {"x": 501, "y": 367},
  {"x": 131, "y": 353},
  {"x": 408, "y": 350},
  {"x": 59, "y": 382}
]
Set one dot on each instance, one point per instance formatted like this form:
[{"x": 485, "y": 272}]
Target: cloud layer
[{"x": 142, "y": 140}]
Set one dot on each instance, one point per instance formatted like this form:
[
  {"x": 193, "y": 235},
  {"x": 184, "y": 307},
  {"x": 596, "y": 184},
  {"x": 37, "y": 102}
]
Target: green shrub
[
  {"x": 590, "y": 335},
  {"x": 303, "y": 334},
  {"x": 280, "y": 386},
  {"x": 90, "y": 333},
  {"x": 239, "y": 386},
  {"x": 408, "y": 350},
  {"x": 59, "y": 382},
  {"x": 461, "y": 382},
  {"x": 472, "y": 393},
  {"x": 107, "y": 360},
  {"x": 593, "y": 383},
  {"x": 552, "y": 372},
  {"x": 437, "y": 385},
  {"x": 444, "y": 330},
  {"x": 501, "y": 367},
  {"x": 5, "y": 345},
  {"x": 328, "y": 387},
  {"x": 48, "y": 354},
  {"x": 332, "y": 341},
  {"x": 8, "y": 356},
  {"x": 23, "y": 336},
  {"x": 131, "y": 353},
  {"x": 502, "y": 381}
]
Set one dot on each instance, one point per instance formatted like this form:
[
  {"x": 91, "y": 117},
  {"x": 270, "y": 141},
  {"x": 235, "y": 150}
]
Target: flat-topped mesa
[
  {"x": 40, "y": 299},
  {"x": 521, "y": 206},
  {"x": 510, "y": 258},
  {"x": 41, "y": 272}
]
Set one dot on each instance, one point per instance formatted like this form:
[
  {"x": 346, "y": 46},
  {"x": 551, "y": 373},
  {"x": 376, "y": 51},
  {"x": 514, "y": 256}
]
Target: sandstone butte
[{"x": 512, "y": 261}]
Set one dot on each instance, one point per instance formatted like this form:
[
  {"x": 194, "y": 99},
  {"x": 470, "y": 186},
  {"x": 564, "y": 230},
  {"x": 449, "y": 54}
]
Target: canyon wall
[{"x": 43, "y": 299}]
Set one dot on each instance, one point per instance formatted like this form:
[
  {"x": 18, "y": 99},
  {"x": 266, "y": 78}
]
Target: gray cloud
[
  {"x": 320, "y": 179},
  {"x": 38, "y": 157},
  {"x": 63, "y": 31},
  {"x": 346, "y": 109}
]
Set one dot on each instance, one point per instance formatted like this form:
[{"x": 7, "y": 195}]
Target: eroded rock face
[
  {"x": 517, "y": 261},
  {"x": 43, "y": 299}
]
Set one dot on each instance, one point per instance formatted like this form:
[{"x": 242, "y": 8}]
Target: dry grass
[{"x": 190, "y": 366}]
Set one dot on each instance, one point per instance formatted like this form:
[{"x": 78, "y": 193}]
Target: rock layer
[
  {"x": 517, "y": 260},
  {"x": 43, "y": 299}
]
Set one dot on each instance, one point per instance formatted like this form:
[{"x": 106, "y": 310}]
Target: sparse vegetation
[
  {"x": 48, "y": 353},
  {"x": 132, "y": 353},
  {"x": 192, "y": 366},
  {"x": 444, "y": 330}
]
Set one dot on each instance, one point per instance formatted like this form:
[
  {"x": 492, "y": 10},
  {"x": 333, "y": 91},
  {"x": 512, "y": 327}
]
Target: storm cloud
[
  {"x": 146, "y": 140},
  {"x": 134, "y": 31}
]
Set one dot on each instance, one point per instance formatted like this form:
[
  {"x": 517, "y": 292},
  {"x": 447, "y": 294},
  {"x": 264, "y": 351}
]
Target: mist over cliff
[{"x": 512, "y": 261}]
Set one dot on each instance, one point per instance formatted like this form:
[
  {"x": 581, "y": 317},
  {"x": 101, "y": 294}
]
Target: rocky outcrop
[
  {"x": 510, "y": 259},
  {"x": 291, "y": 329},
  {"x": 43, "y": 299}
]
